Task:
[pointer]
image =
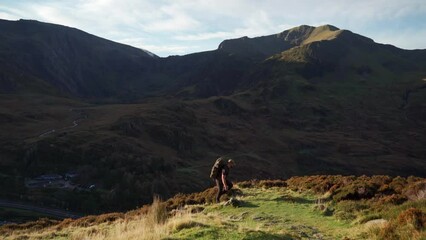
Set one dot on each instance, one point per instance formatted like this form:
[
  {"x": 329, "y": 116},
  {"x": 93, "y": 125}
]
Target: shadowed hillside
[
  {"x": 309, "y": 100},
  {"x": 66, "y": 59}
]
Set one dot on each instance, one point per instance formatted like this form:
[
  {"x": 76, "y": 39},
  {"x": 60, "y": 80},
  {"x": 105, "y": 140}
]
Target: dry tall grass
[{"x": 156, "y": 224}]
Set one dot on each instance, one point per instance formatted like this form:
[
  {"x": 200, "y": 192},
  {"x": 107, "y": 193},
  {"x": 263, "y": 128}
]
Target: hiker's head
[{"x": 231, "y": 163}]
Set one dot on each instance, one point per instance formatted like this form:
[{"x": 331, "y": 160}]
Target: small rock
[
  {"x": 244, "y": 214},
  {"x": 318, "y": 236},
  {"x": 376, "y": 223},
  {"x": 232, "y": 202},
  {"x": 240, "y": 217}
]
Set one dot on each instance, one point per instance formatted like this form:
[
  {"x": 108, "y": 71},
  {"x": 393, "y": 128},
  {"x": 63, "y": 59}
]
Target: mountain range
[{"x": 308, "y": 100}]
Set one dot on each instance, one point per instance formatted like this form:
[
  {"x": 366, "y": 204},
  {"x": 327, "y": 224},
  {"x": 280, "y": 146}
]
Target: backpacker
[{"x": 218, "y": 165}]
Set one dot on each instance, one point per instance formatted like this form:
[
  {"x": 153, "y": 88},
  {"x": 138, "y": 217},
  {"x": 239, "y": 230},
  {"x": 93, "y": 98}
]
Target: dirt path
[{"x": 74, "y": 124}]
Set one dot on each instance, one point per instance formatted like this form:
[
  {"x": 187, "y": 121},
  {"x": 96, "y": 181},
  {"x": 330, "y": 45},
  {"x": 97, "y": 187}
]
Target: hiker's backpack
[{"x": 218, "y": 165}]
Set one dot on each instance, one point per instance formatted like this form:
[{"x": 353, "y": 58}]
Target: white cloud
[
  {"x": 5, "y": 15},
  {"x": 175, "y": 49},
  {"x": 406, "y": 39},
  {"x": 171, "y": 25},
  {"x": 159, "y": 49},
  {"x": 10, "y": 13},
  {"x": 172, "y": 21},
  {"x": 236, "y": 33},
  {"x": 204, "y": 36},
  {"x": 54, "y": 15}
]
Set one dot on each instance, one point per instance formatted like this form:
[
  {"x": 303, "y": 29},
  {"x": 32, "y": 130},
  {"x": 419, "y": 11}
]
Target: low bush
[
  {"x": 29, "y": 226},
  {"x": 345, "y": 216},
  {"x": 416, "y": 190},
  {"x": 409, "y": 225},
  {"x": 395, "y": 199},
  {"x": 263, "y": 183},
  {"x": 413, "y": 216},
  {"x": 384, "y": 188},
  {"x": 91, "y": 220},
  {"x": 180, "y": 200}
]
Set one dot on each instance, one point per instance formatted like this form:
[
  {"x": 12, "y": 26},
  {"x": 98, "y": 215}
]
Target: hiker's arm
[{"x": 225, "y": 186}]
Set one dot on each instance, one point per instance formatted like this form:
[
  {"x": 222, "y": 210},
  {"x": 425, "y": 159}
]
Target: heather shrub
[
  {"x": 29, "y": 226},
  {"x": 398, "y": 184},
  {"x": 348, "y": 209},
  {"x": 91, "y": 220},
  {"x": 345, "y": 216},
  {"x": 180, "y": 199},
  {"x": 409, "y": 225},
  {"x": 416, "y": 191},
  {"x": 263, "y": 183},
  {"x": 65, "y": 223},
  {"x": 413, "y": 179},
  {"x": 247, "y": 184},
  {"x": 272, "y": 183},
  {"x": 85, "y": 221},
  {"x": 319, "y": 183},
  {"x": 395, "y": 199},
  {"x": 356, "y": 191},
  {"x": 413, "y": 216},
  {"x": 352, "y": 206}
]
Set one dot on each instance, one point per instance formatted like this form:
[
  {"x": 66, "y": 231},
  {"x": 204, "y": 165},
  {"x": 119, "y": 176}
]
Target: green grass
[
  {"x": 274, "y": 213},
  {"x": 212, "y": 232}
]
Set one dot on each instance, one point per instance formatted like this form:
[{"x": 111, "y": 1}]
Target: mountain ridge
[
  {"x": 61, "y": 63},
  {"x": 64, "y": 57},
  {"x": 294, "y": 37},
  {"x": 25, "y": 24}
]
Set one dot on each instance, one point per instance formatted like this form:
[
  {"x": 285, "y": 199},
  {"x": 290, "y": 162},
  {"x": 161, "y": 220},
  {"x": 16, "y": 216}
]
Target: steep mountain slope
[
  {"x": 310, "y": 100},
  {"x": 66, "y": 59}
]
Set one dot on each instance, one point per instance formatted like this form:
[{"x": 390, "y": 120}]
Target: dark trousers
[{"x": 220, "y": 190}]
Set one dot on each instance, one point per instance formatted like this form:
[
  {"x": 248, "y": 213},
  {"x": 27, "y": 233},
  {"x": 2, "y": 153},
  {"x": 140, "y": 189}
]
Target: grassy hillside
[
  {"x": 315, "y": 207},
  {"x": 328, "y": 102}
]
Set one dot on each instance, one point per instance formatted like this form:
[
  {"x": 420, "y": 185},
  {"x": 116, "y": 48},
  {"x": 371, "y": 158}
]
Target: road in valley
[{"x": 56, "y": 213}]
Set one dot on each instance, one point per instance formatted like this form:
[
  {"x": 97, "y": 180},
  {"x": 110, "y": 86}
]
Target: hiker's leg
[
  {"x": 230, "y": 185},
  {"x": 219, "y": 190}
]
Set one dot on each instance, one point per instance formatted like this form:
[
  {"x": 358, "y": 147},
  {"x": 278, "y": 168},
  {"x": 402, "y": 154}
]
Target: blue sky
[{"x": 180, "y": 27}]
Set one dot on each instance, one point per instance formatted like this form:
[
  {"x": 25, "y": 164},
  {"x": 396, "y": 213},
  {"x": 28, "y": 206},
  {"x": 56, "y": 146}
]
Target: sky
[{"x": 179, "y": 27}]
